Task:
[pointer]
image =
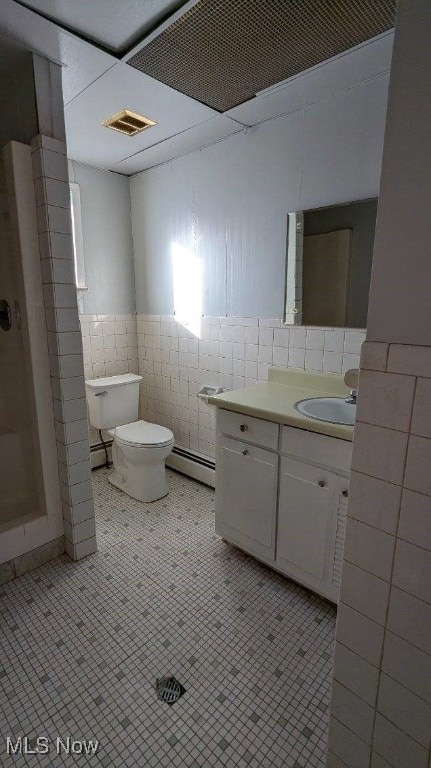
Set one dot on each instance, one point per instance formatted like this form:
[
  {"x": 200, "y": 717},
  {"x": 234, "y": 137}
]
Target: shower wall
[
  {"x": 19, "y": 450},
  {"x": 45, "y": 481}
]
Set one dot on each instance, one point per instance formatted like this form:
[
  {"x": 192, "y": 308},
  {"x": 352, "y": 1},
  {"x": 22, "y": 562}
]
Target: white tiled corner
[
  {"x": 417, "y": 474},
  {"x": 413, "y": 360},
  {"x": 402, "y": 708},
  {"x": 396, "y": 746},
  {"x": 369, "y": 548},
  {"x": 385, "y": 399},
  {"x": 353, "y": 712},
  {"x": 405, "y": 663},
  {"x": 374, "y": 502},
  {"x": 364, "y": 592},
  {"x": 379, "y": 452},
  {"x": 421, "y": 419},
  {"x": 415, "y": 515},
  {"x": 410, "y": 618},
  {"x": 356, "y": 674},
  {"x": 352, "y": 750},
  {"x": 412, "y": 569},
  {"x": 360, "y": 634}
]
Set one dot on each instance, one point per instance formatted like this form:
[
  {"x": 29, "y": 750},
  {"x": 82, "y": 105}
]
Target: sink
[{"x": 332, "y": 409}]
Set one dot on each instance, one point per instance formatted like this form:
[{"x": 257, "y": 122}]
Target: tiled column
[
  {"x": 381, "y": 695},
  {"x": 65, "y": 344}
]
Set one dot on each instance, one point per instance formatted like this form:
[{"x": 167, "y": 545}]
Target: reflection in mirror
[{"x": 328, "y": 268}]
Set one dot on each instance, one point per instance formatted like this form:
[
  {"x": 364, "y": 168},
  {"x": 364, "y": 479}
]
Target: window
[{"x": 78, "y": 243}]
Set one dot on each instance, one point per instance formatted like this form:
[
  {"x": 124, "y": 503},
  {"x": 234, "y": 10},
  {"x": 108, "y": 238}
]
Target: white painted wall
[
  {"x": 403, "y": 232},
  {"x": 107, "y": 234},
  {"x": 228, "y": 204}
]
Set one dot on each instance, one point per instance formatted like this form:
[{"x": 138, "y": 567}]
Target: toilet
[{"x": 140, "y": 448}]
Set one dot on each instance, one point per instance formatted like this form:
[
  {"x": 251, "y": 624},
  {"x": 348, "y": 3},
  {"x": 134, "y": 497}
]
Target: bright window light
[
  {"x": 78, "y": 243},
  {"x": 188, "y": 282}
]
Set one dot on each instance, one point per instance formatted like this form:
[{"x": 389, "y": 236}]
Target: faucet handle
[{"x": 351, "y": 399}]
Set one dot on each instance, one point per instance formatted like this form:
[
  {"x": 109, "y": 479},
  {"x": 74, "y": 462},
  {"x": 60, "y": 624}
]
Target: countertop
[{"x": 274, "y": 400}]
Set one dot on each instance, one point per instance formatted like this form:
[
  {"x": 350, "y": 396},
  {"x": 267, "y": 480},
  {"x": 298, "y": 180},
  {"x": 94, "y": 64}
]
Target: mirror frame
[{"x": 293, "y": 301}]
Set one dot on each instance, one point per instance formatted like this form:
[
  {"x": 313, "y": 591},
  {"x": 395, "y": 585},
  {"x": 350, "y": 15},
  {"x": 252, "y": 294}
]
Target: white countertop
[{"x": 274, "y": 400}]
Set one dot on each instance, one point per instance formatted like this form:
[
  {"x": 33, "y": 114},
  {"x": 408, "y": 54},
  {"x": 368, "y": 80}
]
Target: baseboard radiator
[{"x": 195, "y": 465}]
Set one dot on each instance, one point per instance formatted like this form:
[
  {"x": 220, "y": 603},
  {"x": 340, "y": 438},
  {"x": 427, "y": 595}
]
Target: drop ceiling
[
  {"x": 114, "y": 24},
  {"x": 223, "y": 52},
  {"x": 98, "y": 83}
]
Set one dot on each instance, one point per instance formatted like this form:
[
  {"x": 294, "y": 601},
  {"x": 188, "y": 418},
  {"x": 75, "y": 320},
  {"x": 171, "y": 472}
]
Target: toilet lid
[{"x": 143, "y": 433}]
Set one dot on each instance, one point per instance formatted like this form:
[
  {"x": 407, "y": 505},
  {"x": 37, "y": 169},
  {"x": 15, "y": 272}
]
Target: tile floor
[{"x": 84, "y": 642}]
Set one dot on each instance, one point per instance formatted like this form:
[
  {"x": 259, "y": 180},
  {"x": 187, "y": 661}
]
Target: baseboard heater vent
[
  {"x": 194, "y": 465},
  {"x": 199, "y": 459}
]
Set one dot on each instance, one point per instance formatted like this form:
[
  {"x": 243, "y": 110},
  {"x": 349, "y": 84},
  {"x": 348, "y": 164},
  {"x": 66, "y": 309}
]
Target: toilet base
[{"x": 146, "y": 492}]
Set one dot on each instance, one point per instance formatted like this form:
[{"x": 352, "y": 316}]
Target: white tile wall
[
  {"x": 229, "y": 352},
  {"x": 385, "y": 611},
  {"x": 65, "y": 343}
]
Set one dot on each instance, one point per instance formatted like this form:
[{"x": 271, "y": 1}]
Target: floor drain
[{"x": 169, "y": 689}]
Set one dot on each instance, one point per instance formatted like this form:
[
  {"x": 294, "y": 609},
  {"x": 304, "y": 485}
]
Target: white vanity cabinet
[
  {"x": 281, "y": 495},
  {"x": 246, "y": 504},
  {"x": 246, "y": 495},
  {"x": 313, "y": 490}
]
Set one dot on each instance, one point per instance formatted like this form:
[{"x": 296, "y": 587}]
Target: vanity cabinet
[
  {"x": 247, "y": 497},
  {"x": 281, "y": 495}
]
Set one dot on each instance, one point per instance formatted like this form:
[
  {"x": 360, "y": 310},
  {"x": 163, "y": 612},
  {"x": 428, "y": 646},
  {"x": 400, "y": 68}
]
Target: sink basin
[{"x": 332, "y": 409}]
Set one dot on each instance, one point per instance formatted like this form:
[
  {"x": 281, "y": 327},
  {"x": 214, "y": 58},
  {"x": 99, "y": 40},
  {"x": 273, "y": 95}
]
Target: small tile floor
[{"x": 83, "y": 643}]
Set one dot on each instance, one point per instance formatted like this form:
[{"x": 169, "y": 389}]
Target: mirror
[{"x": 328, "y": 265}]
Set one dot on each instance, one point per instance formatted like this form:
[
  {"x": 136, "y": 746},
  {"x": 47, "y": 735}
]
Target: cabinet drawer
[
  {"x": 248, "y": 428},
  {"x": 311, "y": 446}
]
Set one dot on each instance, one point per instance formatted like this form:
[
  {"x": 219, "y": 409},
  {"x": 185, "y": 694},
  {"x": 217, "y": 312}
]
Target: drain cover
[{"x": 169, "y": 689}]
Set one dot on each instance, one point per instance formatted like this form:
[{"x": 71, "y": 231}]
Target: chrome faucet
[{"x": 351, "y": 399}]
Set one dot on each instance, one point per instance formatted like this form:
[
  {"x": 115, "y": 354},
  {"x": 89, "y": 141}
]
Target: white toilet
[{"x": 140, "y": 448}]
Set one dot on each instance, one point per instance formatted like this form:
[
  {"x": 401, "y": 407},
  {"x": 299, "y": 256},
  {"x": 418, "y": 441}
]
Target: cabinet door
[
  {"x": 246, "y": 496},
  {"x": 305, "y": 522}
]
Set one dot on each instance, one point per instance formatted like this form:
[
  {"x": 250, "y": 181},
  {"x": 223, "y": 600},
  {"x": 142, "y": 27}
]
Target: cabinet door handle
[
  {"x": 321, "y": 483},
  {"x": 345, "y": 493},
  {"x": 243, "y": 428},
  {"x": 245, "y": 452}
]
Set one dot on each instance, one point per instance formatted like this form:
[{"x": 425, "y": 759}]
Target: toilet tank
[{"x": 113, "y": 400}]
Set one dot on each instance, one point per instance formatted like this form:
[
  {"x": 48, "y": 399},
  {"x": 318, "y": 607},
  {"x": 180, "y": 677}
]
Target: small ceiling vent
[{"x": 128, "y": 122}]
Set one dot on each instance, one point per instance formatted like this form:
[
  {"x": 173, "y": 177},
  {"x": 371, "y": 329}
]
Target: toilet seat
[{"x": 143, "y": 434}]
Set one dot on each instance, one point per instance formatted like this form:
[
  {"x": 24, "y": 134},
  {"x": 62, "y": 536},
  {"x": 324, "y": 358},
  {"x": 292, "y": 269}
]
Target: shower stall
[
  {"x": 30, "y": 503},
  {"x": 45, "y": 473}
]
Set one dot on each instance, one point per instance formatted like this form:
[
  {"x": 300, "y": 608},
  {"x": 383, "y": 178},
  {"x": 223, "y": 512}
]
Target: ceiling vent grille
[
  {"x": 223, "y": 52},
  {"x": 128, "y": 122}
]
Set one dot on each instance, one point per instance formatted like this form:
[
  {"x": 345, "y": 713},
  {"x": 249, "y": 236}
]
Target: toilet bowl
[{"x": 139, "y": 451}]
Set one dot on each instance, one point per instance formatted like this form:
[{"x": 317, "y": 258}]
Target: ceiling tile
[
  {"x": 200, "y": 136},
  {"x": 319, "y": 83},
  {"x": 124, "y": 88},
  {"x": 354, "y": 124},
  {"x": 112, "y": 23},
  {"x": 82, "y": 62}
]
